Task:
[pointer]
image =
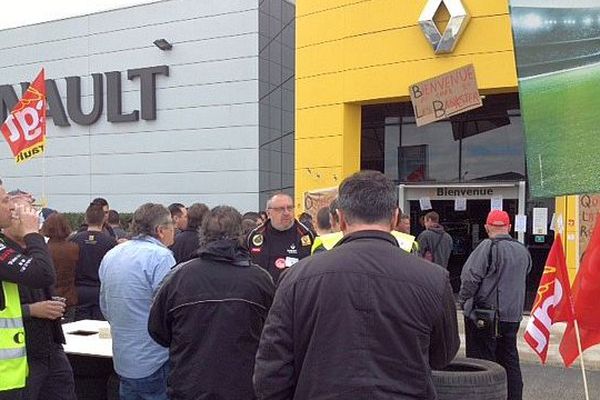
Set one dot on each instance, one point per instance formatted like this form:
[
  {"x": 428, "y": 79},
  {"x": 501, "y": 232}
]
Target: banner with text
[
  {"x": 446, "y": 95},
  {"x": 25, "y": 127}
]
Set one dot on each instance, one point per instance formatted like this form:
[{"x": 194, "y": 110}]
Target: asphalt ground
[{"x": 549, "y": 383}]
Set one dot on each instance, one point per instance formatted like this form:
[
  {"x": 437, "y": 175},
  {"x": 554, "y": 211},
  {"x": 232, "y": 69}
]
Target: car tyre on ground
[{"x": 471, "y": 379}]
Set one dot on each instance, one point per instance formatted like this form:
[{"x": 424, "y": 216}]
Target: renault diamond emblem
[{"x": 459, "y": 18}]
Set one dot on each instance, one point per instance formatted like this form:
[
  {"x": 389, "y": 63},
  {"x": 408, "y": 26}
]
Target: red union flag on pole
[
  {"x": 586, "y": 292},
  {"x": 25, "y": 127},
  {"x": 552, "y": 303}
]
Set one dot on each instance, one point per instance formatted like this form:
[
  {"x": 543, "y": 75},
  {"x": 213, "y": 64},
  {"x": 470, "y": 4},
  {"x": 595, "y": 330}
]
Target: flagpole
[
  {"x": 44, "y": 176},
  {"x": 585, "y": 385}
]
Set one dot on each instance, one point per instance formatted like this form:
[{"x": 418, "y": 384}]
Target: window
[{"x": 485, "y": 144}]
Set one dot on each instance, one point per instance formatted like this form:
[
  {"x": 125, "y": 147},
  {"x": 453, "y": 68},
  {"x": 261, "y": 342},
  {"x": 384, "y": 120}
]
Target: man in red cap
[{"x": 492, "y": 294}]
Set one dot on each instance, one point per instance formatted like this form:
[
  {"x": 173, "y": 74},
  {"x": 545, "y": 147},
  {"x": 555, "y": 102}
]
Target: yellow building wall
[
  {"x": 567, "y": 208},
  {"x": 350, "y": 53}
]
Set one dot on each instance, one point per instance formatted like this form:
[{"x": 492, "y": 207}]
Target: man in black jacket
[
  {"x": 50, "y": 373},
  {"x": 281, "y": 240},
  {"x": 210, "y": 312},
  {"x": 188, "y": 240},
  {"x": 365, "y": 320},
  {"x": 34, "y": 269}
]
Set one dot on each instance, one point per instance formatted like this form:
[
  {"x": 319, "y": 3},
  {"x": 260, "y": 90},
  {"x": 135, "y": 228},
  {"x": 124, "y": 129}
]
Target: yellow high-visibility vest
[
  {"x": 13, "y": 357},
  {"x": 327, "y": 241},
  {"x": 405, "y": 241}
]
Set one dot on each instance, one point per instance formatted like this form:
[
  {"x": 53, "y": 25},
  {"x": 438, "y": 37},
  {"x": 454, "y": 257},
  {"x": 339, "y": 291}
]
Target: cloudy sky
[{"x": 18, "y": 13}]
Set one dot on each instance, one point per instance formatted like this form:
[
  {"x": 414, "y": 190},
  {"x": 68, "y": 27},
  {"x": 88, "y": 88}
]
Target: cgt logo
[{"x": 19, "y": 337}]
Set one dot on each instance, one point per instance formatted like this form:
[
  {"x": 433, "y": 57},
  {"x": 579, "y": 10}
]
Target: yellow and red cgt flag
[
  {"x": 25, "y": 126},
  {"x": 552, "y": 303}
]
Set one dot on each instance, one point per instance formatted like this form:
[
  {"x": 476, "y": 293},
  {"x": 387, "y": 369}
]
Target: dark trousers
[
  {"x": 503, "y": 350},
  {"x": 50, "y": 378},
  {"x": 15, "y": 394},
  {"x": 89, "y": 300}
]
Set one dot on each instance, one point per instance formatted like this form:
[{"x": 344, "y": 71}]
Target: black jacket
[
  {"x": 210, "y": 312},
  {"x": 41, "y": 335},
  {"x": 276, "y": 250},
  {"x": 186, "y": 244},
  {"x": 34, "y": 270},
  {"x": 365, "y": 320}
]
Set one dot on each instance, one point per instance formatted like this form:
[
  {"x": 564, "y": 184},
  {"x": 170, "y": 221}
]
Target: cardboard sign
[
  {"x": 446, "y": 95},
  {"x": 316, "y": 199}
]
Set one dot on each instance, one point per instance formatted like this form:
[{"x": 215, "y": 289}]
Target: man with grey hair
[
  {"x": 130, "y": 275},
  {"x": 282, "y": 240},
  {"x": 210, "y": 312},
  {"x": 364, "y": 320}
]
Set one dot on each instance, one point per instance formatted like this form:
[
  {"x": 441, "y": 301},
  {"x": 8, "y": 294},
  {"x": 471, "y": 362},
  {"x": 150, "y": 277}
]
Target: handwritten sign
[
  {"x": 446, "y": 95},
  {"x": 589, "y": 207}
]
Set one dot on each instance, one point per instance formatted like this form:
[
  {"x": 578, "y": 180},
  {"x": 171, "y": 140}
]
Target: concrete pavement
[{"x": 526, "y": 354}]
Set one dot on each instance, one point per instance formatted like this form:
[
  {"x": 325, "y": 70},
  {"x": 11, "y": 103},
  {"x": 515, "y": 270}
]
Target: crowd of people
[{"x": 212, "y": 304}]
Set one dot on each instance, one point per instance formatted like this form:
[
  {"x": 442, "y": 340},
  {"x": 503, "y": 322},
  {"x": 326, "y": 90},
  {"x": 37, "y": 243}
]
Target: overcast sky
[{"x": 27, "y": 12}]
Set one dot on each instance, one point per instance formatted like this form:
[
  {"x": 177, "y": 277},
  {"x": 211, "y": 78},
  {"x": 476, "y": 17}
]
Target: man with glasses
[
  {"x": 282, "y": 240},
  {"x": 130, "y": 275}
]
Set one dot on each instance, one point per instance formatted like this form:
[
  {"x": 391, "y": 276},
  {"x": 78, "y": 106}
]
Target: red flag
[
  {"x": 25, "y": 127},
  {"x": 586, "y": 292},
  {"x": 552, "y": 303}
]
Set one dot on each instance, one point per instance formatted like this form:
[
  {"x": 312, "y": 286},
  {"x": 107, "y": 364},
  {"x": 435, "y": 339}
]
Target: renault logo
[{"x": 459, "y": 18}]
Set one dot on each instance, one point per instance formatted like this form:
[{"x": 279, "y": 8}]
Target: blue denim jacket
[{"x": 130, "y": 275}]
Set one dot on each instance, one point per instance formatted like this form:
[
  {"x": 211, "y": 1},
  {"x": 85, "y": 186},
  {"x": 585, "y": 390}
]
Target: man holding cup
[{"x": 23, "y": 249}]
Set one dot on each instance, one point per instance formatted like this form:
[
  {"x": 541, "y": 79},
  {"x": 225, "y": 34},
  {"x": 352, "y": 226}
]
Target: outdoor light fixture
[{"x": 163, "y": 44}]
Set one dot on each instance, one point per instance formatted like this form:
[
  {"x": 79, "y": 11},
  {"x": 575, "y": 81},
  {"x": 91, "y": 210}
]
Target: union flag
[
  {"x": 552, "y": 302},
  {"x": 25, "y": 126},
  {"x": 586, "y": 292}
]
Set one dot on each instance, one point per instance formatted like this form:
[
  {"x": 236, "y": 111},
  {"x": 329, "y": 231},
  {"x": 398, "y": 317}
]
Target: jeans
[
  {"x": 503, "y": 350},
  {"x": 153, "y": 387}
]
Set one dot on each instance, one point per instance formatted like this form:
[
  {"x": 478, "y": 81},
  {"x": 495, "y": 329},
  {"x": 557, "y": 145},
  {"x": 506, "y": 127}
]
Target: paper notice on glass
[
  {"x": 521, "y": 223},
  {"x": 553, "y": 222},
  {"x": 460, "y": 204},
  {"x": 496, "y": 203},
  {"x": 425, "y": 203},
  {"x": 540, "y": 221}
]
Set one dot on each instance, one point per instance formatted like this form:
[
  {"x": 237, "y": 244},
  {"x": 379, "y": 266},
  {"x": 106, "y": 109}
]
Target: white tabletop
[{"x": 87, "y": 345}]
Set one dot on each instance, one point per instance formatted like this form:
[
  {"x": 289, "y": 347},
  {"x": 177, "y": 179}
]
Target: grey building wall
[
  {"x": 203, "y": 145},
  {"x": 276, "y": 92}
]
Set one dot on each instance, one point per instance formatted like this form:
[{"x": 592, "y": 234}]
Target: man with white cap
[{"x": 492, "y": 294}]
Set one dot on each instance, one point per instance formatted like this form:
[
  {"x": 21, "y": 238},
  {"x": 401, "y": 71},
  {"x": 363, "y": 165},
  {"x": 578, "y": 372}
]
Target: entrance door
[{"x": 466, "y": 228}]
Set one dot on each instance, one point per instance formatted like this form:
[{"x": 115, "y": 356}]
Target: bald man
[{"x": 281, "y": 241}]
